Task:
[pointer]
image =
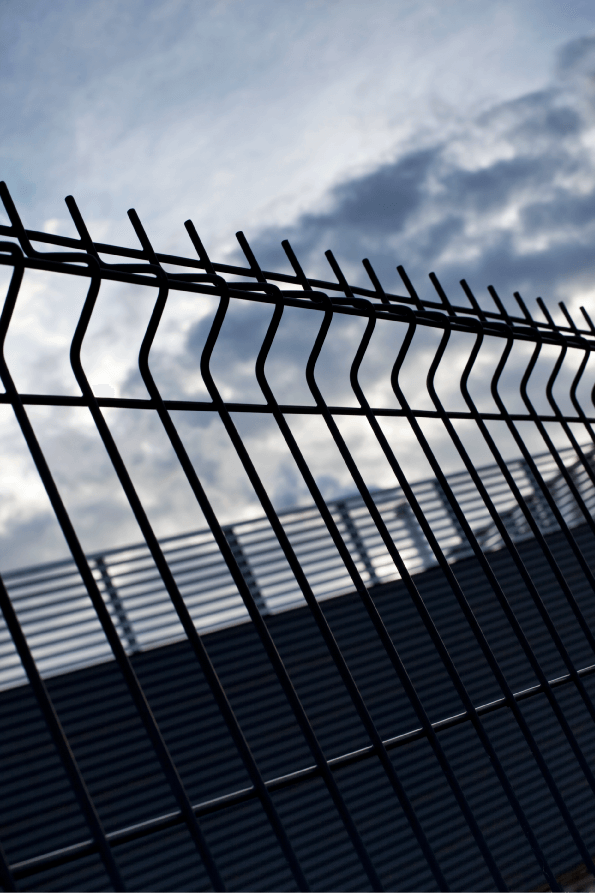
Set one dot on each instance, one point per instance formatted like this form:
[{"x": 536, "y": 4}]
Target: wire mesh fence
[
  {"x": 64, "y": 632},
  {"x": 391, "y": 689}
]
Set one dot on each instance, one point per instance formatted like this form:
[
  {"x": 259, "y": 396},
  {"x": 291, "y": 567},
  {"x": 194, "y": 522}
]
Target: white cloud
[
  {"x": 245, "y": 114},
  {"x": 406, "y": 132}
]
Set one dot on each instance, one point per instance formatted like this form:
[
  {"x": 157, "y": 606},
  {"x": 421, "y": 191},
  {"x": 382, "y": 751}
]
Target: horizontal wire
[
  {"x": 287, "y": 408},
  {"x": 494, "y": 322}
]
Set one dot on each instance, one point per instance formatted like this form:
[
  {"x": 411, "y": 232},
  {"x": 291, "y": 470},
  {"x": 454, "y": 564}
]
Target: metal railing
[
  {"x": 551, "y": 492},
  {"x": 64, "y": 633}
]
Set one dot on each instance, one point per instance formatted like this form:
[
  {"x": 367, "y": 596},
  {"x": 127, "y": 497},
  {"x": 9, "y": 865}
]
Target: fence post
[
  {"x": 464, "y": 547},
  {"x": 117, "y": 604},
  {"x": 244, "y": 566},
  {"x": 537, "y": 502},
  {"x": 404, "y": 512},
  {"x": 356, "y": 539}
]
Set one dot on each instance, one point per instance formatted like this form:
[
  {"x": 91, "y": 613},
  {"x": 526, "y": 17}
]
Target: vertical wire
[
  {"x": 195, "y": 639},
  {"x": 350, "y": 566},
  {"x": 442, "y": 295},
  {"x": 410, "y": 287},
  {"x": 542, "y": 430},
  {"x": 511, "y": 546},
  {"x": 24, "y": 238},
  {"x": 510, "y": 613},
  {"x": 60, "y": 740},
  {"x": 375, "y": 281},
  {"x": 416, "y": 595},
  {"x": 91, "y": 584},
  {"x": 300, "y": 576},
  {"x": 545, "y": 491},
  {"x": 555, "y": 455},
  {"x": 573, "y": 389}
]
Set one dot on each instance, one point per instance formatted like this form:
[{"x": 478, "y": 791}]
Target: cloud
[
  {"x": 505, "y": 196},
  {"x": 238, "y": 113},
  {"x": 508, "y": 200}
]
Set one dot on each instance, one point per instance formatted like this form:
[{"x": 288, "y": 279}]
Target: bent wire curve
[
  {"x": 560, "y": 520},
  {"x": 359, "y": 585},
  {"x": 476, "y": 326},
  {"x": 549, "y": 391},
  {"x": 145, "y": 266},
  {"x": 400, "y": 565},
  {"x": 195, "y": 640},
  {"x": 151, "y": 726},
  {"x": 302, "y": 581},
  {"x": 51, "y": 717},
  {"x": 461, "y": 599},
  {"x": 244, "y": 590}
]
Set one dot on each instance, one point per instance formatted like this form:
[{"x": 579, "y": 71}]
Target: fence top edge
[{"x": 383, "y": 303}]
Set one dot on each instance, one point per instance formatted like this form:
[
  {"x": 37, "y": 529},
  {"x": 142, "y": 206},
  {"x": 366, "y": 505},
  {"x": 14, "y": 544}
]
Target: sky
[{"x": 457, "y": 137}]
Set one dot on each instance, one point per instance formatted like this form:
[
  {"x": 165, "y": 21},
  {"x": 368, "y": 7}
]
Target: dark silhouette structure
[{"x": 391, "y": 690}]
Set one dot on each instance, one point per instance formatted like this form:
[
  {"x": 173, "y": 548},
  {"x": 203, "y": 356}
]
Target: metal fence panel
[{"x": 387, "y": 690}]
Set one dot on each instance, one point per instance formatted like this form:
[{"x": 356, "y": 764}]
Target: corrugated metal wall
[{"x": 39, "y": 814}]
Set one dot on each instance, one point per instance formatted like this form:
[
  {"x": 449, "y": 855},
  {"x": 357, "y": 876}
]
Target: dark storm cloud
[
  {"x": 364, "y": 211},
  {"x": 504, "y": 197},
  {"x": 576, "y": 54},
  {"x": 382, "y": 201},
  {"x": 510, "y": 200}
]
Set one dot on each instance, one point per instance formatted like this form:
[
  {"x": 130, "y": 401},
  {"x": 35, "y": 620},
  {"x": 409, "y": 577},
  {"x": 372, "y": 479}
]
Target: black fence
[
  {"x": 388, "y": 690},
  {"x": 64, "y": 633}
]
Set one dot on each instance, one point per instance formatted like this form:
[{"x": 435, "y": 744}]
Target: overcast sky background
[{"x": 456, "y": 136}]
